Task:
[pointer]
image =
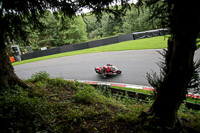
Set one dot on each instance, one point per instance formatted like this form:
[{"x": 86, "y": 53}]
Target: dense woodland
[
  {"x": 85, "y": 27},
  {"x": 178, "y": 70}
]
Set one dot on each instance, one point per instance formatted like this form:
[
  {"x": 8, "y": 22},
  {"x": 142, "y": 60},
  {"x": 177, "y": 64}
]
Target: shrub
[
  {"x": 40, "y": 76},
  {"x": 20, "y": 113},
  {"x": 89, "y": 95},
  {"x": 86, "y": 95}
]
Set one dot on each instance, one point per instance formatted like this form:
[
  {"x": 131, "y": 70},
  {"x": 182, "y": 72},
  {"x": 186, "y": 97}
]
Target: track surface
[{"x": 134, "y": 65}]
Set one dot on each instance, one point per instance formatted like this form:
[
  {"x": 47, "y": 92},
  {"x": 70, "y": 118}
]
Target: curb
[
  {"x": 114, "y": 84},
  {"x": 127, "y": 86}
]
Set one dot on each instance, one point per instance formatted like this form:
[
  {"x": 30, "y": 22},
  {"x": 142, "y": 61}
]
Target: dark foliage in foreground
[{"x": 56, "y": 105}]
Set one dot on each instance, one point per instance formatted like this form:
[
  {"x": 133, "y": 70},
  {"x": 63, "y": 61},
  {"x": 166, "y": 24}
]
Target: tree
[
  {"x": 134, "y": 20},
  {"x": 60, "y": 31},
  {"x": 92, "y": 25},
  {"x": 111, "y": 25},
  {"x": 184, "y": 27},
  {"x": 15, "y": 15},
  {"x": 178, "y": 69},
  {"x": 76, "y": 32},
  {"x": 56, "y": 31}
]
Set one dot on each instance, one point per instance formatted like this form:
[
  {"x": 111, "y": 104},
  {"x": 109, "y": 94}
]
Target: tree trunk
[
  {"x": 7, "y": 75},
  {"x": 184, "y": 26},
  {"x": 173, "y": 89}
]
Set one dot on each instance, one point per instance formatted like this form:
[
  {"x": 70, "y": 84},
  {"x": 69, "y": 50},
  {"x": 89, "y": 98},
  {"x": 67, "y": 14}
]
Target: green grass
[
  {"x": 193, "y": 100},
  {"x": 57, "y": 105},
  {"x": 188, "y": 99},
  {"x": 134, "y": 90},
  {"x": 147, "y": 43}
]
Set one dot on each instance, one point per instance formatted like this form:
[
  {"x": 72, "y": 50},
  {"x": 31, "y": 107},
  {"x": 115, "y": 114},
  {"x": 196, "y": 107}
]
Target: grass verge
[
  {"x": 56, "y": 105},
  {"x": 188, "y": 99},
  {"x": 147, "y": 43}
]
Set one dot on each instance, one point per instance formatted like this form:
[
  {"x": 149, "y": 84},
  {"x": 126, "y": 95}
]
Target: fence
[
  {"x": 96, "y": 43},
  {"x": 141, "y": 97}
]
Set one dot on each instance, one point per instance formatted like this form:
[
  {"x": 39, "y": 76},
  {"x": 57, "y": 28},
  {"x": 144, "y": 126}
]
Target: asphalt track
[{"x": 134, "y": 65}]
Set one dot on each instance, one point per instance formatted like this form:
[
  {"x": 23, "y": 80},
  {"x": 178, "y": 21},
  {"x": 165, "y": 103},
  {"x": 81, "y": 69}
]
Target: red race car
[{"x": 107, "y": 70}]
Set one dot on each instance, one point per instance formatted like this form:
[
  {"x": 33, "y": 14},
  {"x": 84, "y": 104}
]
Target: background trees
[
  {"x": 61, "y": 30},
  {"x": 184, "y": 26},
  {"x": 18, "y": 18},
  {"x": 135, "y": 20},
  {"x": 57, "y": 31}
]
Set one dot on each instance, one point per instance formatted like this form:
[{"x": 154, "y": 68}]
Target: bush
[
  {"x": 56, "y": 105},
  {"x": 20, "y": 113},
  {"x": 86, "y": 95},
  {"x": 90, "y": 95},
  {"x": 40, "y": 76}
]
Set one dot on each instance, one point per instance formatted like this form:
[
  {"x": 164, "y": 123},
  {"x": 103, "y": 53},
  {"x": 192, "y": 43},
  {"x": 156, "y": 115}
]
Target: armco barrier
[
  {"x": 125, "y": 37},
  {"x": 164, "y": 31},
  {"x": 96, "y": 43},
  {"x": 47, "y": 52},
  {"x": 110, "y": 40},
  {"x": 27, "y": 56},
  {"x": 39, "y": 53},
  {"x": 66, "y": 48},
  {"x": 139, "y": 35},
  {"x": 103, "y": 42},
  {"x": 80, "y": 46},
  {"x": 150, "y": 33},
  {"x": 125, "y": 93},
  {"x": 53, "y": 51}
]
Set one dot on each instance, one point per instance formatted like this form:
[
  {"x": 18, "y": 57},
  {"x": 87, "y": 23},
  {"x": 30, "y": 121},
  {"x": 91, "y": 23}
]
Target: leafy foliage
[
  {"x": 16, "y": 15},
  {"x": 155, "y": 80},
  {"x": 58, "y": 31},
  {"x": 56, "y": 105},
  {"x": 21, "y": 113},
  {"x": 135, "y": 20},
  {"x": 40, "y": 76},
  {"x": 55, "y": 28}
]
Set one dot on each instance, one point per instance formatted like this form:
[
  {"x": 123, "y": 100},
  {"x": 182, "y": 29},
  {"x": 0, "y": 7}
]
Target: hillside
[
  {"x": 159, "y": 42},
  {"x": 56, "y": 105}
]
